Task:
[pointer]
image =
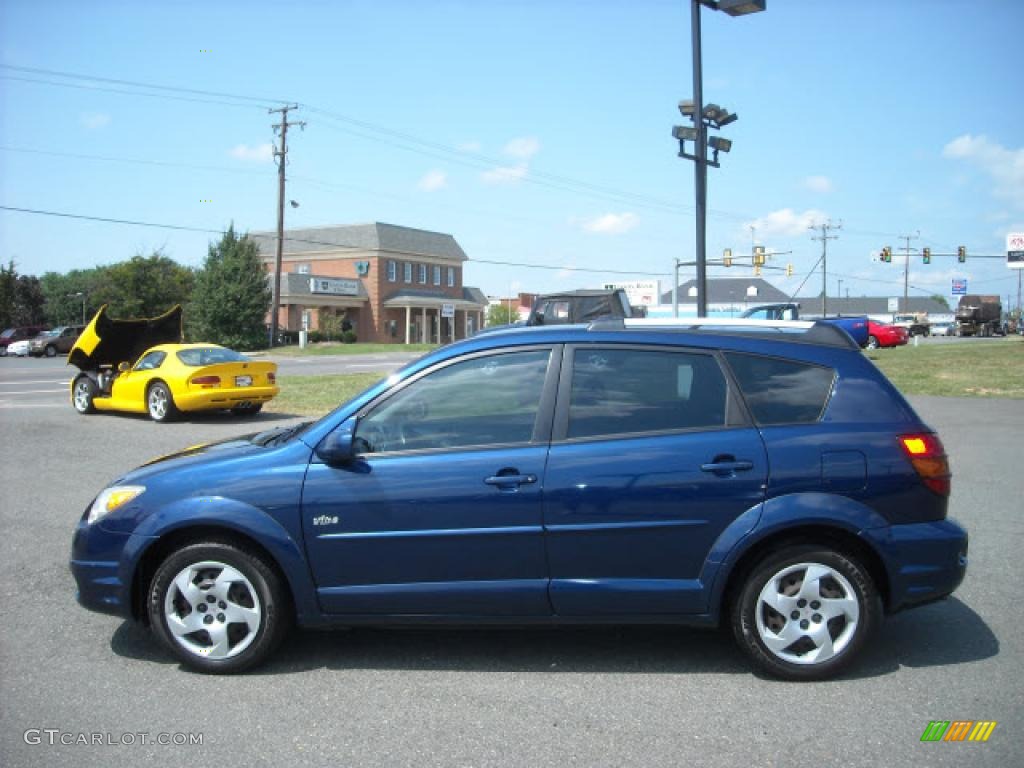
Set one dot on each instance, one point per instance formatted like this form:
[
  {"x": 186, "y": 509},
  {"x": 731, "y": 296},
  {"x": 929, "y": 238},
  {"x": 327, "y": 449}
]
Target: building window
[
  {"x": 392, "y": 271},
  {"x": 407, "y": 271},
  {"x": 692, "y": 293},
  {"x": 423, "y": 273},
  {"x": 302, "y": 269},
  {"x": 437, "y": 275},
  {"x": 451, "y": 277}
]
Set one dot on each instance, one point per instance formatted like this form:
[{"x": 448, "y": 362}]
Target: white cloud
[
  {"x": 469, "y": 146},
  {"x": 258, "y": 153},
  {"x": 786, "y": 222},
  {"x": 821, "y": 184},
  {"x": 505, "y": 174},
  {"x": 94, "y": 120},
  {"x": 433, "y": 181},
  {"x": 611, "y": 223},
  {"x": 1004, "y": 166},
  {"x": 524, "y": 148}
]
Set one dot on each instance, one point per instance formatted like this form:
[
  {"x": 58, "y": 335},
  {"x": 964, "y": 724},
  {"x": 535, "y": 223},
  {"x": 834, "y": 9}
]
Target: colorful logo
[{"x": 959, "y": 730}]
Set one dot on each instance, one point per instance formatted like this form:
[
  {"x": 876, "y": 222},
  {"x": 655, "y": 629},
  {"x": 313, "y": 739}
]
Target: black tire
[
  {"x": 247, "y": 410},
  {"x": 873, "y": 342},
  {"x": 83, "y": 395},
  {"x": 261, "y": 589},
  {"x": 846, "y": 637},
  {"x": 51, "y": 351},
  {"x": 160, "y": 403}
]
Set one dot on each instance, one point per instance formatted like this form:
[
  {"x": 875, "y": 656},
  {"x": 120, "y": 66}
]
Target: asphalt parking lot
[{"x": 587, "y": 697}]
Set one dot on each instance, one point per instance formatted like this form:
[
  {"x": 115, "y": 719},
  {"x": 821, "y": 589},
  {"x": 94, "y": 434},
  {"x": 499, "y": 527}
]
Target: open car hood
[{"x": 106, "y": 341}]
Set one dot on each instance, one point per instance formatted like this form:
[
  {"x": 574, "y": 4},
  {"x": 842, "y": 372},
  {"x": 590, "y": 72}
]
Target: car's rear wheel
[
  {"x": 83, "y": 392},
  {"x": 51, "y": 351},
  {"x": 217, "y": 607},
  {"x": 160, "y": 403},
  {"x": 805, "y": 612},
  {"x": 873, "y": 342},
  {"x": 247, "y": 410}
]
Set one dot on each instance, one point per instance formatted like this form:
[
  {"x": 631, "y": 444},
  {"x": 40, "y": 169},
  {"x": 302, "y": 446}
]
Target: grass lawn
[
  {"x": 316, "y": 395},
  {"x": 967, "y": 369},
  {"x": 330, "y": 348}
]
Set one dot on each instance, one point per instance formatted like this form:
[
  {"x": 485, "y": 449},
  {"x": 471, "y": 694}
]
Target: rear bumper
[
  {"x": 925, "y": 561},
  {"x": 203, "y": 399}
]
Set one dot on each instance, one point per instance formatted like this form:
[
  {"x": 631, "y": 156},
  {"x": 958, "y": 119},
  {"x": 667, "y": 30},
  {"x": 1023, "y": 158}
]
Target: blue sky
[{"x": 533, "y": 131}]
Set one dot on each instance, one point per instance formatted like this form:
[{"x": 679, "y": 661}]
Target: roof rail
[{"x": 802, "y": 331}]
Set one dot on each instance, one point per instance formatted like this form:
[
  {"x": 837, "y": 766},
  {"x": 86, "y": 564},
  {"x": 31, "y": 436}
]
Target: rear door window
[{"x": 622, "y": 391}]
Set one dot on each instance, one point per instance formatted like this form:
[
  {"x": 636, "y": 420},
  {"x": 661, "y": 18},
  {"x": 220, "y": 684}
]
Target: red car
[{"x": 885, "y": 335}]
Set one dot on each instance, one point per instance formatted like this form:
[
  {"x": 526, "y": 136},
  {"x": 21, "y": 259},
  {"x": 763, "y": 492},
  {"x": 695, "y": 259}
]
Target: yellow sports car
[{"x": 140, "y": 366}]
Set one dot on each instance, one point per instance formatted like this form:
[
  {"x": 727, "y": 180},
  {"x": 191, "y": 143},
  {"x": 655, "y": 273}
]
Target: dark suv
[{"x": 764, "y": 475}]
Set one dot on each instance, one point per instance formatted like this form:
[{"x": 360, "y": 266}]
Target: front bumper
[
  {"x": 96, "y": 566},
  {"x": 925, "y": 561}
]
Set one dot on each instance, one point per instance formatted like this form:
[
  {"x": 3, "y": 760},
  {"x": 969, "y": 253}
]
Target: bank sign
[
  {"x": 1015, "y": 250},
  {"x": 334, "y": 286}
]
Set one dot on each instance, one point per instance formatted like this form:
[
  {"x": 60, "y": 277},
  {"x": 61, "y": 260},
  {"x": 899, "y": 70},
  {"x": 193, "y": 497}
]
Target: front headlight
[{"x": 112, "y": 498}]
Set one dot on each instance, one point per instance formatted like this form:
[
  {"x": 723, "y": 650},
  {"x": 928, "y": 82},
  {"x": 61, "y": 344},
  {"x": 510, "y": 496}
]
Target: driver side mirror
[
  {"x": 122, "y": 367},
  {"x": 336, "y": 449}
]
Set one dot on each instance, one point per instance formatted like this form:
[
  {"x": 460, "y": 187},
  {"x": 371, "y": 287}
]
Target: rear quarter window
[{"x": 781, "y": 391}]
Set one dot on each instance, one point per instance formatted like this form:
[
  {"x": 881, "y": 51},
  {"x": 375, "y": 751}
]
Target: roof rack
[{"x": 801, "y": 331}]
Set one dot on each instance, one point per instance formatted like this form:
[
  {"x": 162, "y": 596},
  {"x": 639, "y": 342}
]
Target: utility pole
[
  {"x": 906, "y": 269},
  {"x": 825, "y": 228},
  {"x": 280, "y": 155}
]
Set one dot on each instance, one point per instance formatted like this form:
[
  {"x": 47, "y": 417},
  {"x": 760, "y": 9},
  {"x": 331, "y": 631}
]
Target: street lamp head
[
  {"x": 727, "y": 118},
  {"x": 712, "y": 112},
  {"x": 684, "y": 133},
  {"x": 686, "y": 108},
  {"x": 719, "y": 144},
  {"x": 741, "y": 7}
]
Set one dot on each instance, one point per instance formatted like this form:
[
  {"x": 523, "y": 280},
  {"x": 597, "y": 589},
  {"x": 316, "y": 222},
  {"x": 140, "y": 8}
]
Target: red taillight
[
  {"x": 928, "y": 456},
  {"x": 206, "y": 381},
  {"x": 272, "y": 377}
]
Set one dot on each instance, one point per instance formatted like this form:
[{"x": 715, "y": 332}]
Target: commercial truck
[{"x": 979, "y": 316}]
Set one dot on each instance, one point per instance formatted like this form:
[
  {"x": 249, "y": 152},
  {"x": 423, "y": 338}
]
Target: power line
[
  {"x": 103, "y": 89},
  {"x": 308, "y": 241},
  {"x": 133, "y": 160}
]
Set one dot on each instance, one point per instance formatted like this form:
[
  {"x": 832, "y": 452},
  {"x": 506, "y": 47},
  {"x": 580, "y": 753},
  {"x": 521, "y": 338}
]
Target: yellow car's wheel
[{"x": 160, "y": 403}]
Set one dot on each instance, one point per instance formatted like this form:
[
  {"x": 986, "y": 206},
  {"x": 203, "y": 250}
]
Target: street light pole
[{"x": 701, "y": 165}]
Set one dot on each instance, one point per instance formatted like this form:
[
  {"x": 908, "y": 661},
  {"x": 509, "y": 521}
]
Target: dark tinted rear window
[
  {"x": 210, "y": 356},
  {"x": 782, "y": 391}
]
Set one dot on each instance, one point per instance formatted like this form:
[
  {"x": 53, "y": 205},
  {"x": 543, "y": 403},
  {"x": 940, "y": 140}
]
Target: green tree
[
  {"x": 143, "y": 286},
  {"x": 8, "y": 283},
  {"x": 501, "y": 314},
  {"x": 21, "y": 298},
  {"x": 940, "y": 299},
  {"x": 231, "y": 296}
]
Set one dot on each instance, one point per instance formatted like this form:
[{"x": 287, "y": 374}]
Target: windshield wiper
[{"x": 279, "y": 434}]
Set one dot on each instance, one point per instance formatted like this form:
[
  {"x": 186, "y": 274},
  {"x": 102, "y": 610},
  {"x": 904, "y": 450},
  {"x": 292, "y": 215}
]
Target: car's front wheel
[
  {"x": 804, "y": 612},
  {"x": 873, "y": 342},
  {"x": 217, "y": 607},
  {"x": 51, "y": 351},
  {"x": 83, "y": 392},
  {"x": 160, "y": 403}
]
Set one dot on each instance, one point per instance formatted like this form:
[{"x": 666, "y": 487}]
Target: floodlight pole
[{"x": 700, "y": 163}]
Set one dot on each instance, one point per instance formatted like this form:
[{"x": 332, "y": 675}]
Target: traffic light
[
  {"x": 887, "y": 255},
  {"x": 759, "y": 256},
  {"x": 961, "y": 254},
  {"x": 727, "y": 257},
  {"x": 789, "y": 270},
  {"x": 926, "y": 256}
]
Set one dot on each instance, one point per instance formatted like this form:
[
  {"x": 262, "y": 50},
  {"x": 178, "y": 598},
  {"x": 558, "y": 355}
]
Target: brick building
[{"x": 392, "y": 284}]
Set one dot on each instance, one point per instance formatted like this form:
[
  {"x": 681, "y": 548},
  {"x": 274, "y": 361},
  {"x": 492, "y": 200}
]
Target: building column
[
  {"x": 408, "y": 323},
  {"x": 423, "y": 326}
]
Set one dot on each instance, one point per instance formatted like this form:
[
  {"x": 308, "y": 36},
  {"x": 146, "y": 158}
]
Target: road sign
[
  {"x": 1015, "y": 250},
  {"x": 959, "y": 286},
  {"x": 447, "y": 310},
  {"x": 894, "y": 305}
]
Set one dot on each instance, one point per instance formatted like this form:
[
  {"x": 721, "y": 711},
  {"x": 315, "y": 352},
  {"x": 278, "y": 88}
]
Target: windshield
[
  {"x": 210, "y": 356},
  {"x": 7, "y": 334}
]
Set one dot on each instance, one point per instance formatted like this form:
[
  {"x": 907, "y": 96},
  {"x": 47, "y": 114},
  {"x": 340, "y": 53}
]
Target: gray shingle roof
[
  {"x": 729, "y": 289},
  {"x": 365, "y": 237}
]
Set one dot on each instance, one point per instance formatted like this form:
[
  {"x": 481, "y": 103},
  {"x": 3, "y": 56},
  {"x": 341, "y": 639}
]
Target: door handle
[
  {"x": 727, "y": 467},
  {"x": 510, "y": 480}
]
